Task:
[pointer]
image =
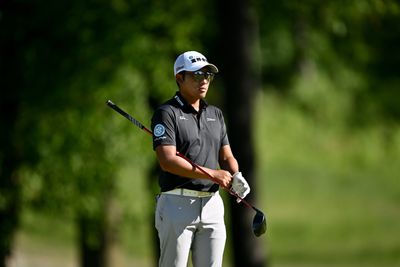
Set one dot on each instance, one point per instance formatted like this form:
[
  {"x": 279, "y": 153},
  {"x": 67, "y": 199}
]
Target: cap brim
[{"x": 195, "y": 67}]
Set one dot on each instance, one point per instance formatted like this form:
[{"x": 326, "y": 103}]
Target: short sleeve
[
  {"x": 163, "y": 127},
  {"x": 224, "y": 135}
]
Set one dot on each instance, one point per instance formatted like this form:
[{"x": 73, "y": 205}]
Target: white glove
[{"x": 240, "y": 186}]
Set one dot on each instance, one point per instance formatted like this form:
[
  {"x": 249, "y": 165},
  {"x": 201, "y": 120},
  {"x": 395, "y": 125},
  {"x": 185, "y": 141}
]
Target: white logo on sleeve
[{"x": 159, "y": 130}]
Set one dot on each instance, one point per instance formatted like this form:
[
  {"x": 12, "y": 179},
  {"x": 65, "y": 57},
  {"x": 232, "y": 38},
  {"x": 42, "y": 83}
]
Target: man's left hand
[{"x": 240, "y": 186}]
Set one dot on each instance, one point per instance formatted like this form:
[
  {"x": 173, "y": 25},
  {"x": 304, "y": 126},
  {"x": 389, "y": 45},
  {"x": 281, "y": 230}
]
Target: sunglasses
[{"x": 199, "y": 76}]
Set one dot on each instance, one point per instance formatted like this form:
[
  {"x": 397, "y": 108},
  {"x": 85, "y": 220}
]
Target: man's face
[{"x": 194, "y": 85}]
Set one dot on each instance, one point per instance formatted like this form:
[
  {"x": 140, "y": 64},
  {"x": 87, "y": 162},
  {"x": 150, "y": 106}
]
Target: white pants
[{"x": 190, "y": 223}]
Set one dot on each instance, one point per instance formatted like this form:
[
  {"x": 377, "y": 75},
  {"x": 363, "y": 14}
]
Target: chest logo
[
  {"x": 159, "y": 130},
  {"x": 210, "y": 119},
  {"x": 182, "y": 118}
]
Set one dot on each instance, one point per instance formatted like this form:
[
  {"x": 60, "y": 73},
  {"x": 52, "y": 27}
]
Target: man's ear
[{"x": 179, "y": 78}]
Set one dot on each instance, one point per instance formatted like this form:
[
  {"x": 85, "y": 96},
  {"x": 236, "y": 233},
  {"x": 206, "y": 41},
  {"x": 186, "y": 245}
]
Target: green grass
[{"x": 332, "y": 196}]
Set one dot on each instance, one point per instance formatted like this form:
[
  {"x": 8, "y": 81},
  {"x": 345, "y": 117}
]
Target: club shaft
[
  {"x": 129, "y": 117},
  {"x": 141, "y": 126}
]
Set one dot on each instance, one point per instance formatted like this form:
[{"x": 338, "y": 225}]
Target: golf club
[{"x": 259, "y": 222}]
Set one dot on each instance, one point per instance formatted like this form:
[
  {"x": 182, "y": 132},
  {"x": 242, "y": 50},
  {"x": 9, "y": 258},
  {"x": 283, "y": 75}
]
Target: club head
[{"x": 259, "y": 223}]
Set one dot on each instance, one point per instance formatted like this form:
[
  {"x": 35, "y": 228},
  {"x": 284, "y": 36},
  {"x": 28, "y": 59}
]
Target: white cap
[{"x": 192, "y": 61}]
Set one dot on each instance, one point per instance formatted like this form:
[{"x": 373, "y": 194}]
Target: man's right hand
[{"x": 222, "y": 177}]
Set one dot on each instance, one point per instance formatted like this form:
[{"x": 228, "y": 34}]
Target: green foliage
[
  {"x": 68, "y": 58},
  {"x": 357, "y": 36},
  {"x": 332, "y": 64}
]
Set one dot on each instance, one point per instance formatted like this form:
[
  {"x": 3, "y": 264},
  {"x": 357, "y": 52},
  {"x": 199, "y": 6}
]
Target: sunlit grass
[{"x": 331, "y": 196}]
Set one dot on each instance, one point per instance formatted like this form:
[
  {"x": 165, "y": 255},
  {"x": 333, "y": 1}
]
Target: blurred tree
[
  {"x": 11, "y": 153},
  {"x": 62, "y": 59},
  {"x": 240, "y": 67},
  {"x": 351, "y": 43},
  {"x": 365, "y": 36},
  {"x": 55, "y": 57}
]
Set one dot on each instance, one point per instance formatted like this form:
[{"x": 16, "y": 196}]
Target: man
[{"x": 190, "y": 212}]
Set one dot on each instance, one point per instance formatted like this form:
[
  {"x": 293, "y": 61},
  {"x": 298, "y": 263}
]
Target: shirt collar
[{"x": 185, "y": 106}]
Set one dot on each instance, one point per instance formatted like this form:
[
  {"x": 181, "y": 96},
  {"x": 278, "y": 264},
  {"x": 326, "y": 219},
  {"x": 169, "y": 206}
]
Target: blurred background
[{"x": 310, "y": 91}]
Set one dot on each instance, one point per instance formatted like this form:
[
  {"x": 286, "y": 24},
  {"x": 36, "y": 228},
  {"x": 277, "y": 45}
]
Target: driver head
[{"x": 259, "y": 223}]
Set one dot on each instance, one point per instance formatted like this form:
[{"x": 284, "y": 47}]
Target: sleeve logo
[{"x": 159, "y": 130}]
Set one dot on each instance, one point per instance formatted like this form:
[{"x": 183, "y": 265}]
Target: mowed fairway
[{"x": 332, "y": 196}]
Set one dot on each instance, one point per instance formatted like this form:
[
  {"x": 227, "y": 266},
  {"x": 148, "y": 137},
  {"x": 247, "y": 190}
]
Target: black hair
[{"x": 183, "y": 77}]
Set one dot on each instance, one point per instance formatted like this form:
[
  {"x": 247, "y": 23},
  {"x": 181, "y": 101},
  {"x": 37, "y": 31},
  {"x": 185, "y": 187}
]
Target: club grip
[
  {"x": 117, "y": 109},
  {"x": 110, "y": 103}
]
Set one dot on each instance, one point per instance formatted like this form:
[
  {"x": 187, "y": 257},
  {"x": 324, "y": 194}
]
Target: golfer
[{"x": 190, "y": 213}]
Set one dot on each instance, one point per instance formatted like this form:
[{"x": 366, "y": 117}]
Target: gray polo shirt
[{"x": 197, "y": 135}]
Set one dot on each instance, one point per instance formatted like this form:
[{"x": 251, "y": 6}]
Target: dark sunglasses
[{"x": 199, "y": 76}]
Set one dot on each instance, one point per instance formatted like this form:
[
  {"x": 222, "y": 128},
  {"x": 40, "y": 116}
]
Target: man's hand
[
  {"x": 240, "y": 186},
  {"x": 222, "y": 177}
]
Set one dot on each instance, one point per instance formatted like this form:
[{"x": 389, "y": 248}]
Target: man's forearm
[
  {"x": 181, "y": 167},
  {"x": 230, "y": 164}
]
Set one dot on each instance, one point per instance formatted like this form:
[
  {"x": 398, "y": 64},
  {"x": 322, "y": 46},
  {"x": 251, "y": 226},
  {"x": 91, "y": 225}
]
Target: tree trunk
[
  {"x": 10, "y": 158},
  {"x": 97, "y": 235},
  {"x": 241, "y": 73},
  {"x": 153, "y": 190},
  {"x": 10, "y": 154},
  {"x": 92, "y": 244},
  {"x": 10, "y": 189},
  {"x": 10, "y": 203}
]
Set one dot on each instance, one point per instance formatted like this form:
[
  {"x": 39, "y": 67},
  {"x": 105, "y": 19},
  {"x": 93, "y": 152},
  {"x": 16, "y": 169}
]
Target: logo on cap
[{"x": 194, "y": 60}]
